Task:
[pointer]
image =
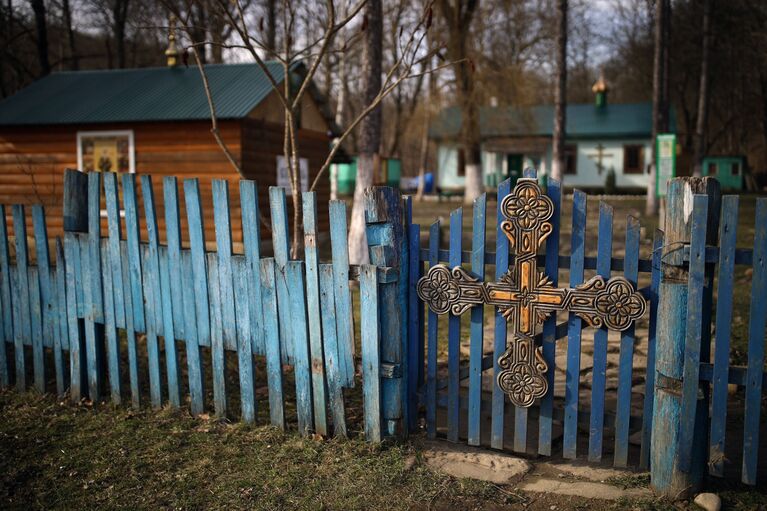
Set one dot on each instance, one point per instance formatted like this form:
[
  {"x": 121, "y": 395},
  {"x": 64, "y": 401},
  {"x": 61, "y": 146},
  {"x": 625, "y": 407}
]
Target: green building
[
  {"x": 346, "y": 174},
  {"x": 728, "y": 170}
]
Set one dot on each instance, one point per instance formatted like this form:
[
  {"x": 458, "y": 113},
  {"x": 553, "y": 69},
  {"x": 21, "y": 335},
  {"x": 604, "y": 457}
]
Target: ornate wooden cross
[{"x": 526, "y": 296}]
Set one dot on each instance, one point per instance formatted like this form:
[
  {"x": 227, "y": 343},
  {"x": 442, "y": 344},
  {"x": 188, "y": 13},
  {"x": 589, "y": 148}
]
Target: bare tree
[
  {"x": 658, "y": 107},
  {"x": 41, "y": 27},
  {"x": 74, "y": 58},
  {"x": 560, "y": 101},
  {"x": 369, "y": 159},
  {"x": 294, "y": 87},
  {"x": 458, "y": 15},
  {"x": 271, "y": 26},
  {"x": 119, "y": 24},
  {"x": 702, "y": 117},
  {"x": 424, "y": 150}
]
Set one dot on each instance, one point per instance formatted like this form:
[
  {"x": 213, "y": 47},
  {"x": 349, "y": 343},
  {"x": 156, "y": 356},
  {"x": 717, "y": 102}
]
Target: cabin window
[
  {"x": 461, "y": 162},
  {"x": 632, "y": 159},
  {"x": 106, "y": 151},
  {"x": 735, "y": 169},
  {"x": 711, "y": 169},
  {"x": 571, "y": 158},
  {"x": 283, "y": 174}
]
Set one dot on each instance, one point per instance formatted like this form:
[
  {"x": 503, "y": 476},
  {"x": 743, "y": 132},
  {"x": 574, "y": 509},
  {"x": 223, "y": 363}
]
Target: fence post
[
  {"x": 385, "y": 237},
  {"x": 75, "y": 213},
  {"x": 668, "y": 476}
]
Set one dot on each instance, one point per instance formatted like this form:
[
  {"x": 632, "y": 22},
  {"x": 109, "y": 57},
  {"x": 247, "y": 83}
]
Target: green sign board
[{"x": 665, "y": 162}]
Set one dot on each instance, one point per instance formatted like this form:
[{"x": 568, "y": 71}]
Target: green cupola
[{"x": 600, "y": 89}]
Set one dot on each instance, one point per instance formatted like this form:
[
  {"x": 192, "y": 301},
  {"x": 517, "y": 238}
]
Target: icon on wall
[{"x": 105, "y": 151}]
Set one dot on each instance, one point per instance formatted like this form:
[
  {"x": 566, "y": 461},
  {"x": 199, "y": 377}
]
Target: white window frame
[{"x": 107, "y": 133}]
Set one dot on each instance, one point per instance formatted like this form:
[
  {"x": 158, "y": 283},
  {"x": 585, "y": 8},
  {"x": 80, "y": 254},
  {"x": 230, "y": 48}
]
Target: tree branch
[
  {"x": 380, "y": 97},
  {"x": 217, "y": 135}
]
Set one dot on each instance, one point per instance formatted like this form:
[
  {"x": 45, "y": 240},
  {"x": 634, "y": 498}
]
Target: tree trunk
[
  {"x": 658, "y": 80},
  {"x": 341, "y": 99},
  {"x": 458, "y": 16},
  {"x": 470, "y": 135},
  {"x": 424, "y": 160},
  {"x": 339, "y": 114},
  {"x": 700, "y": 124},
  {"x": 560, "y": 107},
  {"x": 370, "y": 130},
  {"x": 217, "y": 27},
  {"x": 271, "y": 28},
  {"x": 665, "y": 100},
  {"x": 296, "y": 197},
  {"x": 41, "y": 26},
  {"x": 120, "y": 13},
  {"x": 74, "y": 58}
]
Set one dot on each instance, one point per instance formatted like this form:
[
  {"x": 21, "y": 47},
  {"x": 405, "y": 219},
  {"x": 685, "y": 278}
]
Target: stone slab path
[{"x": 566, "y": 479}]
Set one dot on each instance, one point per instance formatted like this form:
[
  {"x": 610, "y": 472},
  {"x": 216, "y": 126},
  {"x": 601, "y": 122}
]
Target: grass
[
  {"x": 629, "y": 480},
  {"x": 54, "y": 455}
]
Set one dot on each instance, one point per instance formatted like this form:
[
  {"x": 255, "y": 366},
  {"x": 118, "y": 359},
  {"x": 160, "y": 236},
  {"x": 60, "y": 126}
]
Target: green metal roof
[
  {"x": 583, "y": 121},
  {"x": 133, "y": 95}
]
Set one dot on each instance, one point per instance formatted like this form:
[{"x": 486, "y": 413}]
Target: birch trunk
[
  {"x": 370, "y": 130},
  {"x": 560, "y": 107}
]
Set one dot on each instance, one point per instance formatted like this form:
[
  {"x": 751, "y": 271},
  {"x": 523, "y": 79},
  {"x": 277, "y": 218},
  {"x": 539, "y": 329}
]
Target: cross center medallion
[{"x": 525, "y": 296}]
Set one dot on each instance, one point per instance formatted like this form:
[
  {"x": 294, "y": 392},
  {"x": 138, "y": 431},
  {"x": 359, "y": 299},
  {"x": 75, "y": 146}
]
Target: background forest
[{"x": 510, "y": 49}]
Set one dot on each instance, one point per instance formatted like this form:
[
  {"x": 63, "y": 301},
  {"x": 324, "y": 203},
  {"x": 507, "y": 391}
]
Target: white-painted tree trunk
[
  {"x": 358, "y": 249},
  {"x": 556, "y": 170},
  {"x": 651, "y": 200},
  {"x": 370, "y": 131},
  {"x": 560, "y": 93},
  {"x": 474, "y": 186}
]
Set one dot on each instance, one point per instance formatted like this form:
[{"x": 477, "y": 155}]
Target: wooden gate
[{"x": 455, "y": 377}]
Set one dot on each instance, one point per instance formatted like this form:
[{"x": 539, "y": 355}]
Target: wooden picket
[
  {"x": 755, "y": 376},
  {"x": 119, "y": 298},
  {"x": 554, "y": 191}
]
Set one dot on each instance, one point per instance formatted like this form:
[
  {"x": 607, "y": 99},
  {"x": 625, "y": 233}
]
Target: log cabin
[{"x": 158, "y": 121}]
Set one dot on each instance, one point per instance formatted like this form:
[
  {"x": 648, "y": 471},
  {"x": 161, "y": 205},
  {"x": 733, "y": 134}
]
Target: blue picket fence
[
  {"x": 569, "y": 426},
  {"x": 108, "y": 299},
  {"x": 112, "y": 315}
]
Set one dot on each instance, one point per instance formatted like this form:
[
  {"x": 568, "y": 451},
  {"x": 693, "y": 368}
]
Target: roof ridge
[{"x": 156, "y": 68}]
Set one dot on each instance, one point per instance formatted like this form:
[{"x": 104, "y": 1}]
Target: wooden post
[
  {"x": 385, "y": 235},
  {"x": 677, "y": 466},
  {"x": 75, "y": 212}
]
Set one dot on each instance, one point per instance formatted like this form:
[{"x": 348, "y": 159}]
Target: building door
[{"x": 514, "y": 167}]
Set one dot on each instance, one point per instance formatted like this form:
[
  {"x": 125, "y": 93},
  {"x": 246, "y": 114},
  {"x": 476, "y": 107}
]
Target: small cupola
[
  {"x": 172, "y": 54},
  {"x": 600, "y": 89}
]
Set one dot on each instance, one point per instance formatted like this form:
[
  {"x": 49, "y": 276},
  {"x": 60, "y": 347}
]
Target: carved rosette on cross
[{"x": 525, "y": 296}]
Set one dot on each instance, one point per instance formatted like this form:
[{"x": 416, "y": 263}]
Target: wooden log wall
[{"x": 33, "y": 159}]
